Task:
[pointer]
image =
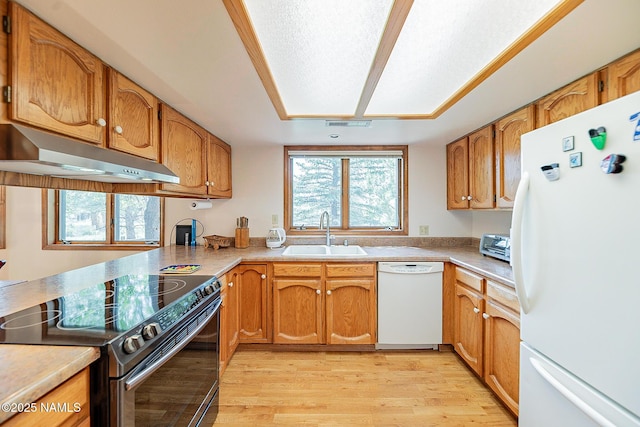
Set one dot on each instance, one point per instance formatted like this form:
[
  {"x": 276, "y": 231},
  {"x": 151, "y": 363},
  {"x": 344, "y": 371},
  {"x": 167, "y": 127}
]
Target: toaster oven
[{"x": 496, "y": 246}]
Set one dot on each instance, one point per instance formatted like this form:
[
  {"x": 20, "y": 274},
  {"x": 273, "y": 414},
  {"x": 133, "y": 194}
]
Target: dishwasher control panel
[{"x": 410, "y": 267}]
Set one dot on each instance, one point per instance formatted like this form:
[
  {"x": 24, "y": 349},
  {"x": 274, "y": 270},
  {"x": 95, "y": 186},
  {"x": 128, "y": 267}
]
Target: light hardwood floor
[{"x": 408, "y": 388}]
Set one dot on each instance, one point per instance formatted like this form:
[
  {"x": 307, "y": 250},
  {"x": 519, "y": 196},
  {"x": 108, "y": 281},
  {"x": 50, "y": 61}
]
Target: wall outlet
[
  {"x": 274, "y": 219},
  {"x": 424, "y": 230}
]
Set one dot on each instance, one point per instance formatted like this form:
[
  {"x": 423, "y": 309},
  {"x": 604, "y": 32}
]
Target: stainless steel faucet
[{"x": 326, "y": 214}]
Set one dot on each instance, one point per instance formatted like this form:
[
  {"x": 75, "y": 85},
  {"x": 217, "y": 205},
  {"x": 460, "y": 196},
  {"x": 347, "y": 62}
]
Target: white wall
[
  {"x": 258, "y": 187},
  {"x": 258, "y": 192}
]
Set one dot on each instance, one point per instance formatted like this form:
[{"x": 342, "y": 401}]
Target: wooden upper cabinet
[
  {"x": 184, "y": 151},
  {"x": 481, "y": 169},
  {"x": 133, "y": 118},
  {"x": 572, "y": 99},
  {"x": 458, "y": 174},
  {"x": 507, "y": 146},
  {"x": 218, "y": 168},
  {"x": 56, "y": 84},
  {"x": 624, "y": 76}
]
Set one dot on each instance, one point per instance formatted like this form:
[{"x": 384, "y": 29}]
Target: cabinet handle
[
  {"x": 464, "y": 198},
  {"x": 231, "y": 284},
  {"x": 118, "y": 130},
  {"x": 469, "y": 198},
  {"x": 328, "y": 292},
  {"x": 318, "y": 291},
  {"x": 206, "y": 183},
  {"x": 264, "y": 276},
  {"x": 101, "y": 122},
  {"x": 485, "y": 315},
  {"x": 476, "y": 310}
]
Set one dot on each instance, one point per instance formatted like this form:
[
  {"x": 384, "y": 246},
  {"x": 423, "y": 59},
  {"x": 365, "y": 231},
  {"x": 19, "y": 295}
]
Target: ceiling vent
[{"x": 348, "y": 123}]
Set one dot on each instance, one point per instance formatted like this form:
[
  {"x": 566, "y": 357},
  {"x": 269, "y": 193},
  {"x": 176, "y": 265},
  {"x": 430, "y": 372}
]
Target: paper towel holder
[{"x": 198, "y": 205}]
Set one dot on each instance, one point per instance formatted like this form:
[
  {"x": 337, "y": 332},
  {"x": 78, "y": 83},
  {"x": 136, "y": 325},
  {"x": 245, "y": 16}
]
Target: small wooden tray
[
  {"x": 216, "y": 241},
  {"x": 180, "y": 269}
]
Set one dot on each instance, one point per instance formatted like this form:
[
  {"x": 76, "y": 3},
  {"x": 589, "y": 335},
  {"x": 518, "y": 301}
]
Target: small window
[
  {"x": 362, "y": 188},
  {"x": 100, "y": 219}
]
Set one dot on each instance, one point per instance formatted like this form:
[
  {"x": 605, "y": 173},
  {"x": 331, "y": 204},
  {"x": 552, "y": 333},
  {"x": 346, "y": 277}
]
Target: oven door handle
[{"x": 138, "y": 378}]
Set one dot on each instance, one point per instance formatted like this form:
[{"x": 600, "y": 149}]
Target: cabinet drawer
[
  {"x": 297, "y": 270},
  {"x": 469, "y": 279},
  {"x": 503, "y": 294},
  {"x": 351, "y": 270},
  {"x": 74, "y": 393}
]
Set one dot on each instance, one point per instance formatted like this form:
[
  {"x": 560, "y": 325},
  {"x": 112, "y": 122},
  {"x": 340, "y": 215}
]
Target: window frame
[
  {"x": 314, "y": 229},
  {"x": 50, "y": 227}
]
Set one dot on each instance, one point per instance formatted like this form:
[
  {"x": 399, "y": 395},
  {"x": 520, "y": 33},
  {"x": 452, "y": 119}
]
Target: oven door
[{"x": 176, "y": 385}]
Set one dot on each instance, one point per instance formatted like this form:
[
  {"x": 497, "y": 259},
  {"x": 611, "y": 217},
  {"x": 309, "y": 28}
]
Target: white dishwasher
[{"x": 409, "y": 305}]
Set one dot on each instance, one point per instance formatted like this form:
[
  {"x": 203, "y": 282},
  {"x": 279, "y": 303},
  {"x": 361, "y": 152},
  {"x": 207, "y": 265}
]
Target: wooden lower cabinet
[
  {"x": 487, "y": 333},
  {"x": 468, "y": 329},
  {"x": 229, "y": 319},
  {"x": 253, "y": 303},
  {"x": 324, "y": 303},
  {"x": 74, "y": 391}
]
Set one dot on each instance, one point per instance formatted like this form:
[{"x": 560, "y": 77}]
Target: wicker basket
[{"x": 216, "y": 241}]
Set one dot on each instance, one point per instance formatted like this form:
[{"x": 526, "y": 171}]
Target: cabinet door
[
  {"x": 481, "y": 169},
  {"x": 502, "y": 353},
  {"x": 351, "y": 311},
  {"x": 133, "y": 118},
  {"x": 229, "y": 319},
  {"x": 507, "y": 146},
  {"x": 458, "y": 174},
  {"x": 468, "y": 327},
  {"x": 56, "y": 84},
  {"x": 219, "y": 168},
  {"x": 624, "y": 76},
  {"x": 223, "y": 354},
  {"x": 184, "y": 149},
  {"x": 297, "y": 311},
  {"x": 572, "y": 99},
  {"x": 253, "y": 300}
]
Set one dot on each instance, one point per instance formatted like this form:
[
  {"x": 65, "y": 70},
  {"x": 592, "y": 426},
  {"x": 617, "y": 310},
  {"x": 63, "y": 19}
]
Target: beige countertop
[
  {"x": 24, "y": 376},
  {"x": 217, "y": 262},
  {"x": 29, "y": 372}
]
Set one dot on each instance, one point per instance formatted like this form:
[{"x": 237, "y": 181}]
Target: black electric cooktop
[{"x": 96, "y": 315}]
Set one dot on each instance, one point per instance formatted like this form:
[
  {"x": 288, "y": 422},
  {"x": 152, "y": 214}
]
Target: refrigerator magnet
[
  {"x": 612, "y": 163},
  {"x": 575, "y": 160},
  {"x": 636, "y": 118},
  {"x": 598, "y": 137},
  {"x": 567, "y": 143},
  {"x": 551, "y": 172}
]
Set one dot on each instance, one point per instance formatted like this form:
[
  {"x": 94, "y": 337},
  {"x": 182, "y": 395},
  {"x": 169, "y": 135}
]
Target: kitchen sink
[
  {"x": 323, "y": 251},
  {"x": 346, "y": 250}
]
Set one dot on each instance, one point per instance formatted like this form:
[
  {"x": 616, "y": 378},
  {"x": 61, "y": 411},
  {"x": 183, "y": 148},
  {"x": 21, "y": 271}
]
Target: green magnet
[{"x": 598, "y": 137}]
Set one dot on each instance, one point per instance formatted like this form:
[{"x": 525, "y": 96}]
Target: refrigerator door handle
[
  {"x": 572, "y": 397},
  {"x": 516, "y": 241}
]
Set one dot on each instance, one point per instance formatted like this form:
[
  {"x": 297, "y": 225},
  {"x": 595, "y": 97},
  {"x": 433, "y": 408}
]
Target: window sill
[{"x": 97, "y": 247}]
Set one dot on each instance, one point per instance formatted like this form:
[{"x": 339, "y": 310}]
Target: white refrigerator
[{"x": 576, "y": 261}]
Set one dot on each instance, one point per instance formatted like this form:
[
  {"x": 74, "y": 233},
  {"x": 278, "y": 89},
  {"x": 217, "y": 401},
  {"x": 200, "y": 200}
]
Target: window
[
  {"x": 362, "y": 188},
  {"x": 100, "y": 219}
]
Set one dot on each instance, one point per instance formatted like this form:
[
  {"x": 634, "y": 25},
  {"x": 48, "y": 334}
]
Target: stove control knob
[
  {"x": 208, "y": 290},
  {"x": 132, "y": 344},
  {"x": 150, "y": 331}
]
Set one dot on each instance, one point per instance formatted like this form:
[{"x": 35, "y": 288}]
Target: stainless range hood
[{"x": 31, "y": 151}]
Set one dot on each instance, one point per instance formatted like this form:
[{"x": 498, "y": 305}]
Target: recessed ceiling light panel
[{"x": 319, "y": 51}]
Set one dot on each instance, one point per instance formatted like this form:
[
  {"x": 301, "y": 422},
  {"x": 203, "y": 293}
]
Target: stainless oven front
[{"x": 177, "y": 384}]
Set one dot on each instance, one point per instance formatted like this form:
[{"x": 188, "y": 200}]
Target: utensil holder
[{"x": 242, "y": 238}]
